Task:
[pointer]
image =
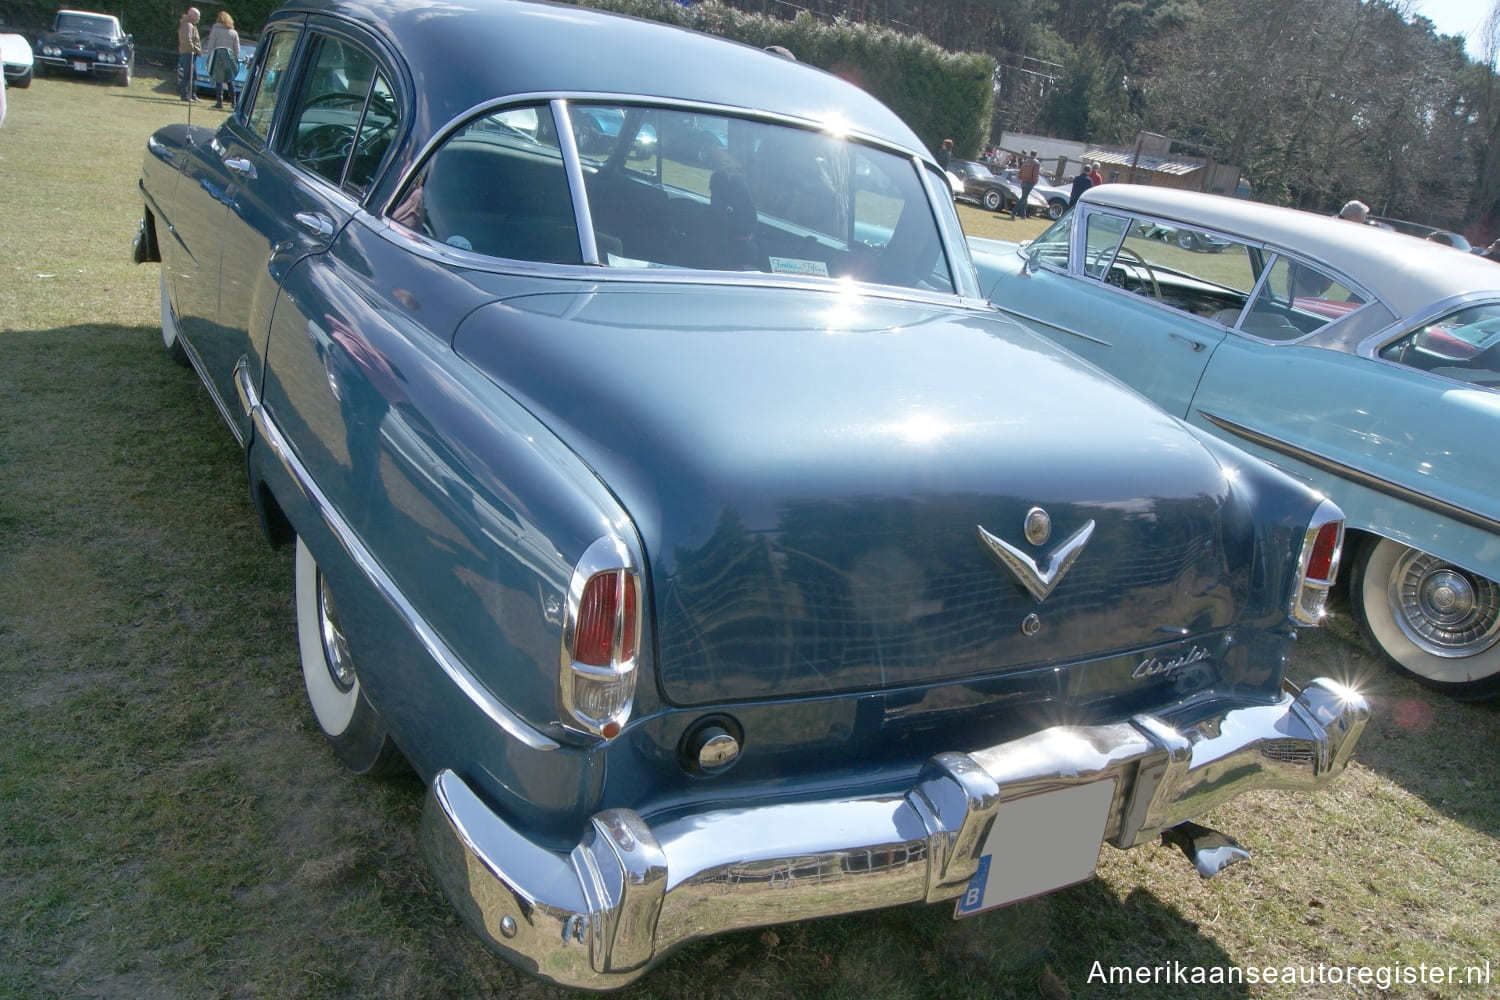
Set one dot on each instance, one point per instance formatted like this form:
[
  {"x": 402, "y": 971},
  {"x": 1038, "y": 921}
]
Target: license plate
[
  {"x": 82, "y": 67},
  {"x": 1040, "y": 843}
]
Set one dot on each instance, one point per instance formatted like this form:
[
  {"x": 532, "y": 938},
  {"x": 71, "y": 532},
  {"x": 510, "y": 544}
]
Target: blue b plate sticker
[{"x": 1039, "y": 843}]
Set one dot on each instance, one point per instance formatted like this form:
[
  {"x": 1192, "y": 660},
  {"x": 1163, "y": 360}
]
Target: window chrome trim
[
  {"x": 583, "y": 216},
  {"x": 965, "y": 286},
  {"x": 266, "y": 430}
]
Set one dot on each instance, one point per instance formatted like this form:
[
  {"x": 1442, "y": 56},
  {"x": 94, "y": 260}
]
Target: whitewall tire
[
  {"x": 169, "y": 336},
  {"x": 347, "y": 719},
  {"x": 1434, "y": 621}
]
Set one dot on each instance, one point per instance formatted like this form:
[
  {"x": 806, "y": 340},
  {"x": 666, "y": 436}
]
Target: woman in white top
[{"x": 221, "y": 70}]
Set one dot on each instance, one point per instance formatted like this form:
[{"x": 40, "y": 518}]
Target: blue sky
[{"x": 1456, "y": 17}]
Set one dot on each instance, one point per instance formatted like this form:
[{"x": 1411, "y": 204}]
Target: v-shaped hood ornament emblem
[{"x": 1038, "y": 580}]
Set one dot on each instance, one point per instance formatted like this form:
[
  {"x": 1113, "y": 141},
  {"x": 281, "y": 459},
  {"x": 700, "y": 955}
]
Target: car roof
[
  {"x": 465, "y": 53},
  {"x": 1409, "y": 274}
]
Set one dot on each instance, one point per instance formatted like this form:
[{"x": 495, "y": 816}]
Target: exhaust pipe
[{"x": 1209, "y": 850}]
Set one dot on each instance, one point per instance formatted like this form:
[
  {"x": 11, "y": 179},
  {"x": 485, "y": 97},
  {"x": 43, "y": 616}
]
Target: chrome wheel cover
[
  {"x": 336, "y": 653},
  {"x": 1442, "y": 609}
]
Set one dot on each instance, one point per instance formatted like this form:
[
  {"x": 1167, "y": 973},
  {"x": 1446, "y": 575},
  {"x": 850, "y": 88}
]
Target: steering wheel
[
  {"x": 1138, "y": 261},
  {"x": 324, "y": 145}
]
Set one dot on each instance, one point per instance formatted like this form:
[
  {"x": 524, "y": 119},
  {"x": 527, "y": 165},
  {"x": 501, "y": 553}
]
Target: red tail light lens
[
  {"x": 1323, "y": 561},
  {"x": 604, "y": 602}
]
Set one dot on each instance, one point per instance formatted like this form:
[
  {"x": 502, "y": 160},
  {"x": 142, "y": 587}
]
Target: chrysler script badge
[{"x": 1038, "y": 580}]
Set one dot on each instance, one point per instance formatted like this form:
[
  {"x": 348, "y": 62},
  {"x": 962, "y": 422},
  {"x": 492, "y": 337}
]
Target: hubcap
[
  {"x": 335, "y": 647},
  {"x": 1444, "y": 610}
]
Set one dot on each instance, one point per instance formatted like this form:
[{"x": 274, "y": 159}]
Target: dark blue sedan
[{"x": 669, "y": 499}]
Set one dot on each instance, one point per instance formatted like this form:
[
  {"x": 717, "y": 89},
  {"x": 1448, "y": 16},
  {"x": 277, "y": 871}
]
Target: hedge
[{"x": 939, "y": 94}]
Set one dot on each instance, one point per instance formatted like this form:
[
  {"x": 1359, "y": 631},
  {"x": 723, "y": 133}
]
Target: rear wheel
[
  {"x": 169, "y": 336},
  {"x": 1056, "y": 207},
  {"x": 348, "y": 720},
  {"x": 1433, "y": 621},
  {"x": 23, "y": 81}
]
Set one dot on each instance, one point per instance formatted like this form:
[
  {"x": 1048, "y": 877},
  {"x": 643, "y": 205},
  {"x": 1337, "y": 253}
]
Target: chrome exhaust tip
[{"x": 1209, "y": 850}]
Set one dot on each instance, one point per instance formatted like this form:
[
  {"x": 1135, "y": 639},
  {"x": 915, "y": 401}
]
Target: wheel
[
  {"x": 993, "y": 200},
  {"x": 1187, "y": 240},
  {"x": 169, "y": 337},
  {"x": 345, "y": 716},
  {"x": 123, "y": 79},
  {"x": 1055, "y": 208},
  {"x": 1433, "y": 621},
  {"x": 23, "y": 81}
]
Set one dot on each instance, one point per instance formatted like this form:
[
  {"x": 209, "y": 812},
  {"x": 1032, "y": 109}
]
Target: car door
[
  {"x": 1148, "y": 311},
  {"x": 305, "y": 149}
]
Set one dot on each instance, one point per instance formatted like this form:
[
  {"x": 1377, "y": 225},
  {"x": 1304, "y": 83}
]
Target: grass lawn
[{"x": 172, "y": 826}]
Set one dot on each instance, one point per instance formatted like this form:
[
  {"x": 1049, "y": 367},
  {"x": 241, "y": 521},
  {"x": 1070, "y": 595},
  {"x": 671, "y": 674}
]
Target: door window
[
  {"x": 325, "y": 133},
  {"x": 1296, "y": 299},
  {"x": 271, "y": 75},
  {"x": 1463, "y": 345}
]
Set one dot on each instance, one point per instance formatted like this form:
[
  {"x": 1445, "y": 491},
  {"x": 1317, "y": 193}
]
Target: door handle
[
  {"x": 1194, "y": 344},
  {"x": 241, "y": 166},
  {"x": 316, "y": 223}
]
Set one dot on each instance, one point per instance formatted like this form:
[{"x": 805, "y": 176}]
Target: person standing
[
  {"x": 1028, "y": 174},
  {"x": 223, "y": 48},
  {"x": 945, "y": 153},
  {"x": 1355, "y": 211},
  {"x": 188, "y": 48},
  {"x": 1081, "y": 183},
  {"x": 1094, "y": 175}
]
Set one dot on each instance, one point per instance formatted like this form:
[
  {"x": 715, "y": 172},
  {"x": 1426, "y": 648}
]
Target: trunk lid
[{"x": 810, "y": 473}]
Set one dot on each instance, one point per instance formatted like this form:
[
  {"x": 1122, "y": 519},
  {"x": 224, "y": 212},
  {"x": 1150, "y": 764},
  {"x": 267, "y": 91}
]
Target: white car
[{"x": 15, "y": 53}]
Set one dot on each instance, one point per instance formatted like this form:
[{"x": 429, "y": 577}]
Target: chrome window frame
[{"x": 961, "y": 274}]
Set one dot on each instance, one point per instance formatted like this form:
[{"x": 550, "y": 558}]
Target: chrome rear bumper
[{"x": 600, "y": 915}]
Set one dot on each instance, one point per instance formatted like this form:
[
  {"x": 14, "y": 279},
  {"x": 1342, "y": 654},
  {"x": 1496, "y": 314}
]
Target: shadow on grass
[
  {"x": 1081, "y": 942},
  {"x": 1443, "y": 751}
]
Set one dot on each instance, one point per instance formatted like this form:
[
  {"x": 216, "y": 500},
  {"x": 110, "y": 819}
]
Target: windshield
[
  {"x": 85, "y": 24},
  {"x": 672, "y": 189}
]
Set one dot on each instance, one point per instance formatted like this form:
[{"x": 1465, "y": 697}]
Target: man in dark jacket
[{"x": 1081, "y": 183}]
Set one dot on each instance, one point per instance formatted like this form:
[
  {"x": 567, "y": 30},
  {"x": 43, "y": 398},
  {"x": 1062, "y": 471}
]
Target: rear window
[{"x": 672, "y": 189}]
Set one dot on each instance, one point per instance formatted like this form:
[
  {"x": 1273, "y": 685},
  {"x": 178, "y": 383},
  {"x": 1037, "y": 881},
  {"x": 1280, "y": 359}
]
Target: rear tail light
[
  {"x": 1318, "y": 566},
  {"x": 601, "y": 640}
]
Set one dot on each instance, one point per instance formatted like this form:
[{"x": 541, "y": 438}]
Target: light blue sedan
[{"x": 1365, "y": 362}]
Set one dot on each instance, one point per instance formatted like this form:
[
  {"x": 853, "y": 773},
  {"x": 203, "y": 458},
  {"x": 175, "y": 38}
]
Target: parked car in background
[
  {"x": 16, "y": 56},
  {"x": 1055, "y": 195},
  {"x": 82, "y": 41},
  {"x": 204, "y": 82},
  {"x": 984, "y": 187},
  {"x": 709, "y": 547},
  {"x": 1423, "y": 231},
  {"x": 1362, "y": 361}
]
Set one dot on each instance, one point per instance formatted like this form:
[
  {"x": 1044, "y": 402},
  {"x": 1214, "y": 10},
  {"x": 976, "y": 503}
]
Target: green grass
[{"x": 171, "y": 824}]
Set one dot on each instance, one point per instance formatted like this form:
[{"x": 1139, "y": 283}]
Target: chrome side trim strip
[
  {"x": 270, "y": 434},
  {"x": 599, "y": 916},
  {"x": 1395, "y": 491}
]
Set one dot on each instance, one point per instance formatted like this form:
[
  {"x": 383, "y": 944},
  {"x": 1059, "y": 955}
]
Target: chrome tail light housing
[
  {"x": 601, "y": 641},
  {"x": 1318, "y": 564}
]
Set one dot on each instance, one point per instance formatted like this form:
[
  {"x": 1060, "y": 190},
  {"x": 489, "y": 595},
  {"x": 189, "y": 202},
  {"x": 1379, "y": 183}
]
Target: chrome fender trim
[{"x": 268, "y": 433}]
